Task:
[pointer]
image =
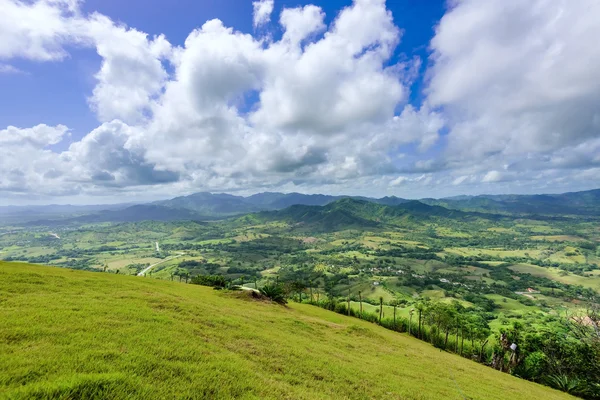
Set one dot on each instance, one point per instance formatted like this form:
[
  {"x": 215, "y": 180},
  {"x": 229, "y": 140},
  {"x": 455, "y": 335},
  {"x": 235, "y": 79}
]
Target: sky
[{"x": 105, "y": 101}]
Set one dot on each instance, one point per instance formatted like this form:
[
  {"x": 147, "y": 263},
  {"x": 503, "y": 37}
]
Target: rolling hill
[
  {"x": 349, "y": 213},
  {"x": 575, "y": 203},
  {"x": 210, "y": 206},
  {"x": 221, "y": 204},
  {"x": 73, "y": 334},
  {"x": 136, "y": 213}
]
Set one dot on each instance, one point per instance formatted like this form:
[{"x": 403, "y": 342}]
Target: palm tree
[
  {"x": 360, "y": 300},
  {"x": 420, "y": 307},
  {"x": 348, "y": 301}
]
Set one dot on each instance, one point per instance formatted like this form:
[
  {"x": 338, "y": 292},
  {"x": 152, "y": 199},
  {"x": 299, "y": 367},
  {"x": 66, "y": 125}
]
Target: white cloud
[
  {"x": 35, "y": 31},
  {"x": 398, "y": 181},
  {"x": 331, "y": 112},
  {"x": 515, "y": 77},
  {"x": 492, "y": 176},
  {"x": 337, "y": 81},
  {"x": 459, "y": 180},
  {"x": 262, "y": 12},
  {"x": 39, "y": 136},
  {"x": 26, "y": 163},
  {"x": 9, "y": 69},
  {"x": 326, "y": 109},
  {"x": 106, "y": 156},
  {"x": 301, "y": 22},
  {"x": 131, "y": 74}
]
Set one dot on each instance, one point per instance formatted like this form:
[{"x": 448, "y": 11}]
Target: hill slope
[
  {"x": 351, "y": 213},
  {"x": 575, "y": 203},
  {"x": 75, "y": 334}
]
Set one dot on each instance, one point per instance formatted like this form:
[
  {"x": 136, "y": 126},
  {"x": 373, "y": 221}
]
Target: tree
[
  {"x": 274, "y": 292},
  {"x": 380, "y": 308},
  {"x": 420, "y": 308},
  {"x": 360, "y": 300},
  {"x": 348, "y": 300}
]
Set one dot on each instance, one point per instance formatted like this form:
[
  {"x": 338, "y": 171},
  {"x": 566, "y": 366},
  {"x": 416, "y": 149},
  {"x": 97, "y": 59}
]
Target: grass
[
  {"x": 74, "y": 334},
  {"x": 467, "y": 251},
  {"x": 558, "y": 238},
  {"x": 556, "y": 274},
  {"x": 508, "y": 304}
]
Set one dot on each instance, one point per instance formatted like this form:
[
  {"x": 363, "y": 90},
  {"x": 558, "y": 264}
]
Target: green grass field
[
  {"x": 556, "y": 274},
  {"x": 70, "y": 334}
]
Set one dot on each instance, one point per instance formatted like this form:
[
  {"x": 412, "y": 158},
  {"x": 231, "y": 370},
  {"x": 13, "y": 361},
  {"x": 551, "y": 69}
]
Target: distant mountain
[
  {"x": 207, "y": 206},
  {"x": 22, "y": 214},
  {"x": 574, "y": 203},
  {"x": 221, "y": 204},
  {"x": 277, "y": 201},
  {"x": 218, "y": 204},
  {"x": 349, "y": 213},
  {"x": 140, "y": 212}
]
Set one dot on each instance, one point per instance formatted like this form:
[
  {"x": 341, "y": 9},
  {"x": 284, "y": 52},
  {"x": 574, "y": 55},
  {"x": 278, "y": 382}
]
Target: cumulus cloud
[
  {"x": 132, "y": 74},
  {"x": 511, "y": 98},
  {"x": 262, "y": 12},
  {"x": 517, "y": 77},
  {"x": 301, "y": 22},
  {"x": 25, "y": 159},
  {"x": 106, "y": 157},
  {"x": 38, "y": 137},
  {"x": 35, "y": 31},
  {"x": 326, "y": 109}
]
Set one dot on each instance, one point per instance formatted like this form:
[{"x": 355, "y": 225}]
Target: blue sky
[{"x": 103, "y": 100}]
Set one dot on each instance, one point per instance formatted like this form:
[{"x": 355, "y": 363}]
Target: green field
[
  {"x": 75, "y": 334},
  {"x": 592, "y": 281}
]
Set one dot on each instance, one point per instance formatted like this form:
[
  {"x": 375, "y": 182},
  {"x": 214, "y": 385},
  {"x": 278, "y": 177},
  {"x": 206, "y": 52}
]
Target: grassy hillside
[{"x": 75, "y": 334}]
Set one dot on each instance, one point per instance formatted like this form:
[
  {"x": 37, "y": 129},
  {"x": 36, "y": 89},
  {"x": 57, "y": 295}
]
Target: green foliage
[
  {"x": 217, "y": 281},
  {"x": 274, "y": 292},
  {"x": 568, "y": 384}
]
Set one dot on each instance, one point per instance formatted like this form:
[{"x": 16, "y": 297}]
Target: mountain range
[{"x": 209, "y": 206}]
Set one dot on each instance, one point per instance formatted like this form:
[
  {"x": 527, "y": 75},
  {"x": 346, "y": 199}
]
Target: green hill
[
  {"x": 575, "y": 203},
  {"x": 69, "y": 334},
  {"x": 351, "y": 213}
]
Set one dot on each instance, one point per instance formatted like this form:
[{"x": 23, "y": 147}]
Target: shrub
[
  {"x": 217, "y": 281},
  {"x": 274, "y": 292}
]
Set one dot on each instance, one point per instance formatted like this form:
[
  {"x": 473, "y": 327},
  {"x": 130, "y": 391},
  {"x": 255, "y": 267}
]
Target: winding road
[{"x": 145, "y": 270}]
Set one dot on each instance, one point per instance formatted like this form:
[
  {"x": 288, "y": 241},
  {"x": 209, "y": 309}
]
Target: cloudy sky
[{"x": 107, "y": 100}]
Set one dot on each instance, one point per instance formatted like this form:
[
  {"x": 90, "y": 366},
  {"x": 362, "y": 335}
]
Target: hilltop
[{"x": 77, "y": 334}]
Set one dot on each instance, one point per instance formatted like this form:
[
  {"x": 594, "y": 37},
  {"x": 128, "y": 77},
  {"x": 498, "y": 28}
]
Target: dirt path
[{"x": 145, "y": 270}]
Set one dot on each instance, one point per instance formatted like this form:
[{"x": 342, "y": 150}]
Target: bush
[
  {"x": 217, "y": 281},
  {"x": 274, "y": 292}
]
